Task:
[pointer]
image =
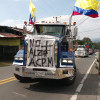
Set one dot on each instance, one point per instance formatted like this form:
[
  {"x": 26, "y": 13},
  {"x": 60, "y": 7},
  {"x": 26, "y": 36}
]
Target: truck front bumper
[
  {"x": 45, "y": 73},
  {"x": 81, "y": 55}
]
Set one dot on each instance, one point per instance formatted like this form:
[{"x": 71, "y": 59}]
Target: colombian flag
[
  {"x": 32, "y": 10},
  {"x": 86, "y": 45},
  {"x": 86, "y": 7}
]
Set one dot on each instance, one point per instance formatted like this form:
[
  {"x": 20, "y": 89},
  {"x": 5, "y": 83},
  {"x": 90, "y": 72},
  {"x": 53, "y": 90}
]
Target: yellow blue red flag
[
  {"x": 32, "y": 10},
  {"x": 86, "y": 7},
  {"x": 86, "y": 45}
]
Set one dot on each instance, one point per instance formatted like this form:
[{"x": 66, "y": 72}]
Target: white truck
[
  {"x": 81, "y": 51},
  {"x": 46, "y": 55}
]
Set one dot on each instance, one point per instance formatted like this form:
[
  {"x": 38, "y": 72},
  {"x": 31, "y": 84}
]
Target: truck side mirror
[{"x": 67, "y": 31}]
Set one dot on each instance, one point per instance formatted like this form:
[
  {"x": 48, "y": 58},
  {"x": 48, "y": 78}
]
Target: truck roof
[{"x": 51, "y": 24}]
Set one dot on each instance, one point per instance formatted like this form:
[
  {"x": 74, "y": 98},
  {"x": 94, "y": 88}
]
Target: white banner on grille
[{"x": 40, "y": 53}]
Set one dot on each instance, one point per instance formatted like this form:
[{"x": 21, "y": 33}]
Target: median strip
[{"x": 7, "y": 80}]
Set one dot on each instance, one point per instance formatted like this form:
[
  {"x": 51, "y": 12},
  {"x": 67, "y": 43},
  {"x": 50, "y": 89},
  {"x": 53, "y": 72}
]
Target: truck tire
[{"x": 22, "y": 79}]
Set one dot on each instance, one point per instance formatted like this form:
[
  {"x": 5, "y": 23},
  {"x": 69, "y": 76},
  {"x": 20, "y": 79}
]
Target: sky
[
  {"x": 18, "y": 10},
  {"x": 15, "y": 12}
]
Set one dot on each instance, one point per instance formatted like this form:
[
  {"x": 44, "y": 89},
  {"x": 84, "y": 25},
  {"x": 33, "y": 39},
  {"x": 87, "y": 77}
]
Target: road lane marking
[
  {"x": 19, "y": 94},
  {"x": 7, "y": 80},
  {"x": 79, "y": 88},
  {"x": 74, "y": 96}
]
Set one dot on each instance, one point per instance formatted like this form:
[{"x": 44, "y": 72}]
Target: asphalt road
[{"x": 86, "y": 87}]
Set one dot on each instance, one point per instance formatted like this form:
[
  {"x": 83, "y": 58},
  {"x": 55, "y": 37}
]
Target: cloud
[{"x": 13, "y": 23}]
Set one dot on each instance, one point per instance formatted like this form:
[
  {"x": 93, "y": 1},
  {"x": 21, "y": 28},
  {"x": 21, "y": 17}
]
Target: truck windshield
[{"x": 49, "y": 29}]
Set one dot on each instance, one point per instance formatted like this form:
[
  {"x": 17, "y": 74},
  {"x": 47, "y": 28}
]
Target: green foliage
[
  {"x": 79, "y": 42},
  {"x": 96, "y": 45},
  {"x": 88, "y": 41}
]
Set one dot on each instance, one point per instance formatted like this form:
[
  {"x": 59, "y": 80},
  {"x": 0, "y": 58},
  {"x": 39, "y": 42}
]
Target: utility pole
[{"x": 57, "y": 19}]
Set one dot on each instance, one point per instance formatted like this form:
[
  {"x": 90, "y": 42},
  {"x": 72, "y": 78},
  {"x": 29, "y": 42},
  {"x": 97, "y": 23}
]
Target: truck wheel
[
  {"x": 70, "y": 80},
  {"x": 22, "y": 79},
  {"x": 87, "y": 55}
]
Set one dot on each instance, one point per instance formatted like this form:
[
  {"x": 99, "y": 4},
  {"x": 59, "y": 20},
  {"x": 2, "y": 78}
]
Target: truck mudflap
[{"x": 45, "y": 73}]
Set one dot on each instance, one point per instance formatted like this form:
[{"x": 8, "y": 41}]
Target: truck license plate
[{"x": 39, "y": 73}]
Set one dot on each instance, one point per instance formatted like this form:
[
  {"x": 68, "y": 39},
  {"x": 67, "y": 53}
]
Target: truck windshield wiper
[
  {"x": 48, "y": 33},
  {"x": 51, "y": 33}
]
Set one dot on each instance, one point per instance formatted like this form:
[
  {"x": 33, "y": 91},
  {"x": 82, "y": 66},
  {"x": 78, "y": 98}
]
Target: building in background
[{"x": 10, "y": 42}]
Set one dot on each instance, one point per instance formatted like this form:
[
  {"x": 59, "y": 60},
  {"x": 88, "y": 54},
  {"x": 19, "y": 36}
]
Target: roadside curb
[
  {"x": 5, "y": 64},
  {"x": 98, "y": 89}
]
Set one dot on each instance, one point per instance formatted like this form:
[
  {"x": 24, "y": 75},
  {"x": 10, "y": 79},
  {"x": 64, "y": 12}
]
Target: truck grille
[{"x": 40, "y": 53}]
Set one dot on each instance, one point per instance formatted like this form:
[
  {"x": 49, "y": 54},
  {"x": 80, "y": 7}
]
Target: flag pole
[
  {"x": 70, "y": 33},
  {"x": 70, "y": 21},
  {"x": 34, "y": 21}
]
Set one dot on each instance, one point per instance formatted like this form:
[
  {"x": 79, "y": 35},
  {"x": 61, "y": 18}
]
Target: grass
[{"x": 5, "y": 63}]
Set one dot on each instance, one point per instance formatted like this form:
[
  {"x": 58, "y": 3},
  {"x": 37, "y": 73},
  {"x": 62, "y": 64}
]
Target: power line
[
  {"x": 85, "y": 19},
  {"x": 88, "y": 35},
  {"x": 80, "y": 19},
  {"x": 90, "y": 30}
]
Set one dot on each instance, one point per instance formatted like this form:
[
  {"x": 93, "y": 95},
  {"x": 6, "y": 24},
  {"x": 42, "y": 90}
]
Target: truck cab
[{"x": 47, "y": 54}]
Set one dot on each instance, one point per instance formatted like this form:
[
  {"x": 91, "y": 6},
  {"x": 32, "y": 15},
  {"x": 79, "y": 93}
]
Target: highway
[{"x": 86, "y": 86}]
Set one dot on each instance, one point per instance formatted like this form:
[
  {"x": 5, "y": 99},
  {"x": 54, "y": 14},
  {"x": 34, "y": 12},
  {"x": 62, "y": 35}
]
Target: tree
[
  {"x": 88, "y": 41},
  {"x": 79, "y": 42}
]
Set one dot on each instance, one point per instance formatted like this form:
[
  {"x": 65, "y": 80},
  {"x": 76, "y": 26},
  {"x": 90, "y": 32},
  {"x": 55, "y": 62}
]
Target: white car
[{"x": 81, "y": 52}]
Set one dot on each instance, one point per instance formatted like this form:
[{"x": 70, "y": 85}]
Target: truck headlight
[
  {"x": 20, "y": 58},
  {"x": 67, "y": 61},
  {"x": 70, "y": 61},
  {"x": 64, "y": 60},
  {"x": 16, "y": 58}
]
